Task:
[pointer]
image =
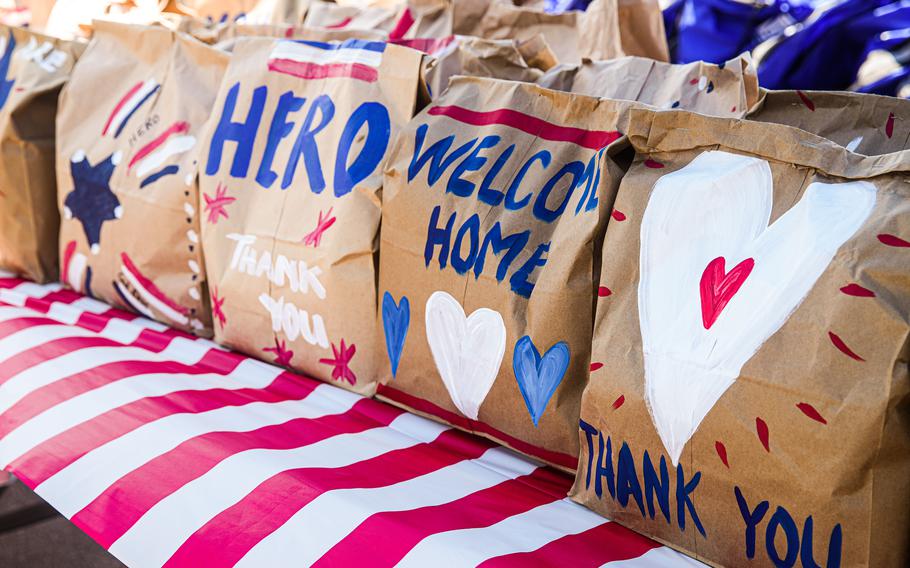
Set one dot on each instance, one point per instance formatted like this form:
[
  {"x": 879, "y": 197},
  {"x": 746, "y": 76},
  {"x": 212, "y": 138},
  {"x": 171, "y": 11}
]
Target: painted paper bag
[
  {"x": 730, "y": 89},
  {"x": 127, "y": 131},
  {"x": 33, "y": 68},
  {"x": 334, "y": 16},
  {"x": 495, "y": 197},
  {"x": 865, "y": 124},
  {"x": 291, "y": 186},
  {"x": 750, "y": 400}
]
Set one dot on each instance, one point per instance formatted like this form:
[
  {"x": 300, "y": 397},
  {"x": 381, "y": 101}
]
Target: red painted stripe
[
  {"x": 481, "y": 509},
  {"x": 120, "y": 105},
  {"x": 304, "y": 70},
  {"x": 609, "y": 542},
  {"x": 80, "y": 383},
  {"x": 842, "y": 347},
  {"x": 144, "y": 487},
  {"x": 592, "y": 139},
  {"x": 255, "y": 516},
  {"x": 340, "y": 24},
  {"x": 52, "y": 456},
  {"x": 427, "y": 407},
  {"x": 150, "y": 286},
  {"x": 176, "y": 128},
  {"x": 893, "y": 241},
  {"x": 857, "y": 290},
  {"x": 67, "y": 259},
  {"x": 403, "y": 24},
  {"x": 429, "y": 45}
]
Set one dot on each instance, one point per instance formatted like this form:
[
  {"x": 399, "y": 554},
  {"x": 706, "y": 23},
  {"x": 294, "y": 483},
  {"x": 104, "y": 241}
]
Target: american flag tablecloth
[{"x": 170, "y": 451}]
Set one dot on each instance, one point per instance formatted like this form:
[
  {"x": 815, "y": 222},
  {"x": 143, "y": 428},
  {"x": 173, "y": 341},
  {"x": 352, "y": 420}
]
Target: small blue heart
[
  {"x": 539, "y": 376},
  {"x": 395, "y": 321}
]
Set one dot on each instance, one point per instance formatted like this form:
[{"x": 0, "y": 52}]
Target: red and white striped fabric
[{"x": 170, "y": 451}]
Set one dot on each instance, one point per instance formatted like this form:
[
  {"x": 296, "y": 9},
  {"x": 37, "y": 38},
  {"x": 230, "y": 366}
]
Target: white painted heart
[
  {"x": 467, "y": 350},
  {"x": 716, "y": 281}
]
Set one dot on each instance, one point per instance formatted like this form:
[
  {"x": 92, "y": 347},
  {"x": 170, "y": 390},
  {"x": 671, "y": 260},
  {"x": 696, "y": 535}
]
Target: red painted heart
[{"x": 718, "y": 287}]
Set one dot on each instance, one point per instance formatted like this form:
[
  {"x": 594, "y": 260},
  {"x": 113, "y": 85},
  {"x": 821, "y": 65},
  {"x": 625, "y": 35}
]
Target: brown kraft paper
[{"x": 749, "y": 405}]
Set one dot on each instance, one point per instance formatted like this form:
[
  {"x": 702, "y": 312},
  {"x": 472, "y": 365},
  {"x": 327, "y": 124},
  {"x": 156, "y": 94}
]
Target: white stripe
[
  {"x": 30, "y": 289},
  {"x": 329, "y": 518},
  {"x": 661, "y": 557},
  {"x": 165, "y": 310},
  {"x": 520, "y": 533},
  {"x": 132, "y": 301},
  {"x": 73, "y": 488},
  {"x": 13, "y": 312},
  {"x": 174, "y": 146},
  {"x": 32, "y": 337},
  {"x": 307, "y": 54},
  {"x": 97, "y": 401},
  {"x": 161, "y": 531},
  {"x": 131, "y": 104},
  {"x": 47, "y": 372}
]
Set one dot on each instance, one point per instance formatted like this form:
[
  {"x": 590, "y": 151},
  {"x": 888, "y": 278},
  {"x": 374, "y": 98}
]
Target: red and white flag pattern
[{"x": 170, "y": 451}]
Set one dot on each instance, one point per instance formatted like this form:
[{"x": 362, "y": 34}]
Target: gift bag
[
  {"x": 127, "y": 131},
  {"x": 750, "y": 400},
  {"x": 291, "y": 187},
  {"x": 730, "y": 89},
  {"x": 495, "y": 198},
  {"x": 33, "y": 68}
]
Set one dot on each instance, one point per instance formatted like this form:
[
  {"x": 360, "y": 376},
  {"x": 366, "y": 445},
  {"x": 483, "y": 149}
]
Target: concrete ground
[{"x": 33, "y": 535}]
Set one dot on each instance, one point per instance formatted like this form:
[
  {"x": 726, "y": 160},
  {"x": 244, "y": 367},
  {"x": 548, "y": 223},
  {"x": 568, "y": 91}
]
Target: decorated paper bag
[
  {"x": 291, "y": 181},
  {"x": 750, "y": 400},
  {"x": 127, "y": 132},
  {"x": 494, "y": 200},
  {"x": 730, "y": 89},
  {"x": 334, "y": 16},
  {"x": 33, "y": 68},
  {"x": 228, "y": 35},
  {"x": 865, "y": 124}
]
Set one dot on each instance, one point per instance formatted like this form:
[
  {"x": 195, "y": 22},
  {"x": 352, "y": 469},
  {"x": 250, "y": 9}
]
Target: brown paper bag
[
  {"x": 292, "y": 166},
  {"x": 641, "y": 26},
  {"x": 33, "y": 68},
  {"x": 333, "y": 16},
  {"x": 494, "y": 199},
  {"x": 476, "y": 57},
  {"x": 865, "y": 124},
  {"x": 127, "y": 131},
  {"x": 750, "y": 400},
  {"x": 730, "y": 89}
]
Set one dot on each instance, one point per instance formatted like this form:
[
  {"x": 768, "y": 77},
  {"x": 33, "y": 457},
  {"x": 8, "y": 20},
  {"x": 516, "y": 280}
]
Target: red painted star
[
  {"x": 283, "y": 355},
  {"x": 215, "y": 206},
  {"x": 343, "y": 356},
  {"x": 314, "y": 237},
  {"x": 218, "y": 307}
]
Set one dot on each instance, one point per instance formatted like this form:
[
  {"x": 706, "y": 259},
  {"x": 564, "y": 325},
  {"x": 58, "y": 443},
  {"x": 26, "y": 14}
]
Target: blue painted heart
[
  {"x": 538, "y": 377},
  {"x": 395, "y": 321}
]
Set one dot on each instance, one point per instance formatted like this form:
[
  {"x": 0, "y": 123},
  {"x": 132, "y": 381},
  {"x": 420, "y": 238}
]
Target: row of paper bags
[{"x": 707, "y": 315}]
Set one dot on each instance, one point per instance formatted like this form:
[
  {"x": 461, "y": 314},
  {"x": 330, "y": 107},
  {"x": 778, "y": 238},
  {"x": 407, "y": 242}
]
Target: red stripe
[
  {"x": 592, "y": 139},
  {"x": 52, "y": 456},
  {"x": 340, "y": 24},
  {"x": 303, "y": 70},
  {"x": 609, "y": 542},
  {"x": 80, "y": 383},
  {"x": 429, "y": 45},
  {"x": 403, "y": 24},
  {"x": 564, "y": 460},
  {"x": 256, "y": 516},
  {"x": 150, "y": 286},
  {"x": 176, "y": 128},
  {"x": 116, "y": 510},
  {"x": 481, "y": 509},
  {"x": 119, "y": 106},
  {"x": 67, "y": 259}
]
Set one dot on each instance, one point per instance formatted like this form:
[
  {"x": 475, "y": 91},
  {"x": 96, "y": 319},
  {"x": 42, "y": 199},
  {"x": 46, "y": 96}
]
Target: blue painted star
[
  {"x": 92, "y": 202},
  {"x": 6, "y": 85}
]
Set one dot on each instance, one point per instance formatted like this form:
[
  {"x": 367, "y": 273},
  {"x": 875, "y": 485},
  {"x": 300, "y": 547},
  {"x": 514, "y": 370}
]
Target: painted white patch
[
  {"x": 189, "y": 178},
  {"x": 192, "y": 236},
  {"x": 702, "y": 83},
  {"x": 194, "y": 266},
  {"x": 467, "y": 350},
  {"x": 194, "y": 293},
  {"x": 719, "y": 206},
  {"x": 188, "y": 209},
  {"x": 67, "y": 213},
  {"x": 78, "y": 156},
  {"x": 76, "y": 271},
  {"x": 95, "y": 248},
  {"x": 854, "y": 144},
  {"x": 173, "y": 147},
  {"x": 116, "y": 157},
  {"x": 118, "y": 212}
]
